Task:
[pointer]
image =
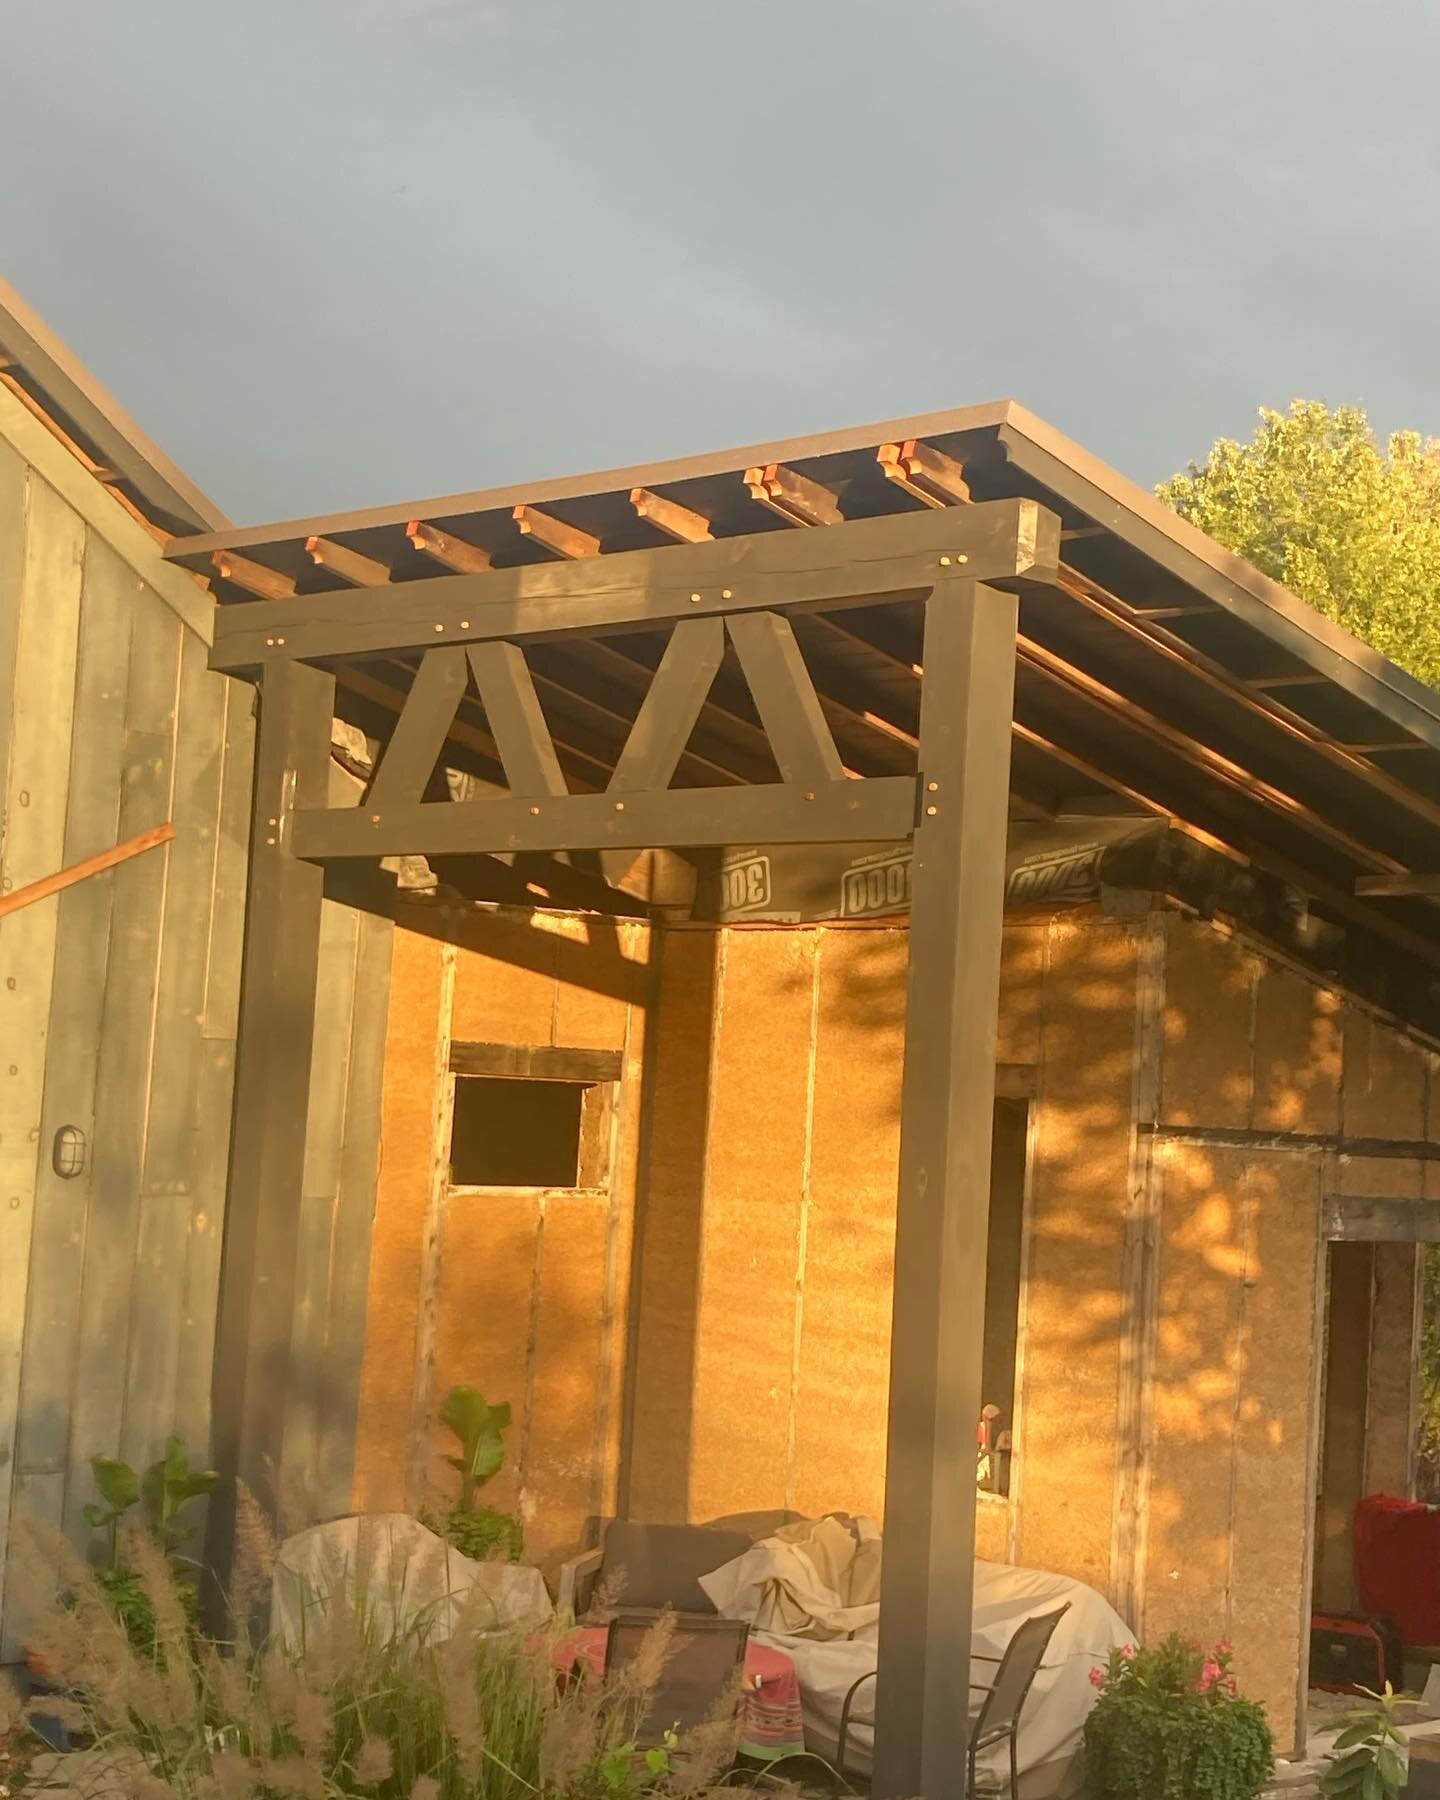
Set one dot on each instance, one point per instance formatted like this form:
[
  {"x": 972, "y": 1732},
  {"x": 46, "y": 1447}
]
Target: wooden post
[
  {"x": 947, "y": 1100},
  {"x": 272, "y": 1086}
]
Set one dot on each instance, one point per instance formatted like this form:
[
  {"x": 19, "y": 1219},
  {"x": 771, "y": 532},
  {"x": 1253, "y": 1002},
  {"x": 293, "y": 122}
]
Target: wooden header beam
[
  {"x": 1381, "y": 1219},
  {"x": 859, "y": 562}
]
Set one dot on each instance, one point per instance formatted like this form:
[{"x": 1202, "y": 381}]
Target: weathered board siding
[
  {"x": 118, "y": 1003},
  {"x": 521, "y": 1293}
]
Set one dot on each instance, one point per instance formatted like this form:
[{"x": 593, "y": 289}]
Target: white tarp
[
  {"x": 805, "y": 1585},
  {"x": 401, "y": 1574}
]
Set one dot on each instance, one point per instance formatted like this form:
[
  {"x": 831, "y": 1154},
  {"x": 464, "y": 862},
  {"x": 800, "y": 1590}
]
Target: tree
[{"x": 1354, "y": 529}]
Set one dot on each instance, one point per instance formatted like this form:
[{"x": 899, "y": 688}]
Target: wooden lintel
[
  {"x": 256, "y": 578},
  {"x": 793, "y": 496},
  {"x": 927, "y": 473},
  {"x": 446, "y": 549},
  {"x": 1394, "y": 887},
  {"x": 555, "y": 534},
  {"x": 350, "y": 565},
  {"x": 1240, "y": 1137},
  {"x": 82, "y": 871},
  {"x": 1381, "y": 1219},
  {"x": 676, "y": 521},
  {"x": 536, "y": 1062}
]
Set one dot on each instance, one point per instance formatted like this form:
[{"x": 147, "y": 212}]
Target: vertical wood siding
[{"x": 118, "y": 1003}]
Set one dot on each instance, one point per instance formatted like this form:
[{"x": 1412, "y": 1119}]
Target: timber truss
[{"x": 465, "y": 635}]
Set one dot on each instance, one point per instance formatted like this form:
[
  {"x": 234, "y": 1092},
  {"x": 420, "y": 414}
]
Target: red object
[
  {"x": 1397, "y": 1564},
  {"x": 1351, "y": 1653}
]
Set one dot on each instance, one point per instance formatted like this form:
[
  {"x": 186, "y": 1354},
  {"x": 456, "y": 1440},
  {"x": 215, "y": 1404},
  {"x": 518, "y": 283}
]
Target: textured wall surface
[{"x": 519, "y": 1292}]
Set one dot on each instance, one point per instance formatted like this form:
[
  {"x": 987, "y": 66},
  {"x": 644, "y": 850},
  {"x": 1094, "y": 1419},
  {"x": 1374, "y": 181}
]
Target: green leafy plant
[
  {"x": 1170, "y": 1725},
  {"x": 481, "y": 1532},
  {"x": 1369, "y": 1763},
  {"x": 162, "y": 1491}
]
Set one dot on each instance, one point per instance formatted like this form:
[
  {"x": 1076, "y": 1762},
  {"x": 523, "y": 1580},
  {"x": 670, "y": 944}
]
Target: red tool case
[{"x": 1350, "y": 1651}]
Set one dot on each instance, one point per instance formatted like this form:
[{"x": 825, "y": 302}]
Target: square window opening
[{"x": 514, "y": 1133}]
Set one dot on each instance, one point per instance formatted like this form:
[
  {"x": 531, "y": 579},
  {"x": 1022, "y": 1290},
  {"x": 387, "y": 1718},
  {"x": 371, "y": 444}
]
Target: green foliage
[
  {"x": 1428, "y": 1444},
  {"x": 1170, "y": 1725},
  {"x": 1368, "y": 1763},
  {"x": 480, "y": 1532},
  {"x": 478, "y": 1426},
  {"x": 483, "y": 1534},
  {"x": 163, "y": 1491},
  {"x": 1353, "y": 529}
]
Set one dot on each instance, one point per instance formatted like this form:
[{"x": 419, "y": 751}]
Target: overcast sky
[{"x": 339, "y": 252}]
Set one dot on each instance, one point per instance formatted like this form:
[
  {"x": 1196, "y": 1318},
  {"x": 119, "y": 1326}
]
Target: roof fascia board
[
  {"x": 604, "y": 481},
  {"x": 65, "y": 381},
  {"x": 1150, "y": 527},
  {"x": 55, "y": 466}
]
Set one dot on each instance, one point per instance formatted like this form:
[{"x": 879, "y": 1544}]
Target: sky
[{"x": 336, "y": 253}]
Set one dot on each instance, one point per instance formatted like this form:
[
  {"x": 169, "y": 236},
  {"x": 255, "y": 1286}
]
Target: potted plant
[
  {"x": 1170, "y": 1724},
  {"x": 480, "y": 1532}
]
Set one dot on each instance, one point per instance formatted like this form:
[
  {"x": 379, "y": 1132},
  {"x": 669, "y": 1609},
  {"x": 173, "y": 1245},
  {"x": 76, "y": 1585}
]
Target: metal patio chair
[
  {"x": 998, "y": 1720},
  {"x": 706, "y": 1658}
]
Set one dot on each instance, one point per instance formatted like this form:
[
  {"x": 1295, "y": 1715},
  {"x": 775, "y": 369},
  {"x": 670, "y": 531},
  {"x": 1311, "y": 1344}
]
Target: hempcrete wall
[
  {"x": 1168, "y": 1348},
  {"x": 520, "y": 1293}
]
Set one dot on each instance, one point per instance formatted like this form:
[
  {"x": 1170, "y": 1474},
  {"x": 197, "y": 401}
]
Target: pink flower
[
  {"x": 1128, "y": 1652},
  {"x": 1209, "y": 1675},
  {"x": 1097, "y": 1678},
  {"x": 1224, "y": 1648}
]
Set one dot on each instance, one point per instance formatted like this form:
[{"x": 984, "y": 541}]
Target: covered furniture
[
  {"x": 800, "y": 1577},
  {"x": 646, "y": 1568},
  {"x": 997, "y": 1722},
  {"x": 401, "y": 1574}
]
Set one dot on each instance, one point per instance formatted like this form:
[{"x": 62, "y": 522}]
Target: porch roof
[{"x": 1158, "y": 673}]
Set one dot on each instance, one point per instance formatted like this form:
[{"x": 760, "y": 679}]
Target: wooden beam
[
  {"x": 555, "y": 534},
  {"x": 669, "y": 710},
  {"x": 349, "y": 565},
  {"x": 1178, "y": 652},
  {"x": 1378, "y": 887},
  {"x": 265, "y": 583},
  {"x": 82, "y": 871},
  {"x": 536, "y": 1062},
  {"x": 512, "y": 711},
  {"x": 425, "y": 721},
  {"x": 275, "y": 1035},
  {"x": 669, "y": 516},
  {"x": 445, "y": 548},
  {"x": 1381, "y": 1219},
  {"x": 1240, "y": 1137},
  {"x": 795, "y": 497},
  {"x": 942, "y": 1214},
  {"x": 879, "y": 810},
  {"x": 866, "y": 560},
  {"x": 927, "y": 473},
  {"x": 1268, "y": 683},
  {"x": 784, "y": 696}
]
